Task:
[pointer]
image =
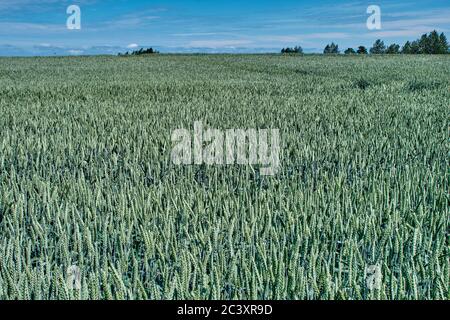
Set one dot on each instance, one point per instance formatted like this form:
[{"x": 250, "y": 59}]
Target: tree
[
  {"x": 411, "y": 48},
  {"x": 393, "y": 49},
  {"x": 378, "y": 47},
  {"x": 334, "y": 48},
  {"x": 361, "y": 50},
  {"x": 415, "y": 47},
  {"x": 350, "y": 51},
  {"x": 434, "y": 43},
  {"x": 444, "y": 47},
  {"x": 331, "y": 49},
  {"x": 296, "y": 49},
  {"x": 406, "y": 48},
  {"x": 424, "y": 44},
  {"x": 139, "y": 52}
]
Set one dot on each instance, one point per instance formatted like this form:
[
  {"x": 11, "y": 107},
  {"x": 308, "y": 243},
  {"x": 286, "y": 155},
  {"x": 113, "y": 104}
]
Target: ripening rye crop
[{"x": 358, "y": 208}]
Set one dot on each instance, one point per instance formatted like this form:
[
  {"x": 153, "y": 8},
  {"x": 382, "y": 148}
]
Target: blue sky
[{"x": 38, "y": 27}]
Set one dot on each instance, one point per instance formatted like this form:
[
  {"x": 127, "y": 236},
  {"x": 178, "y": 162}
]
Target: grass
[{"x": 86, "y": 178}]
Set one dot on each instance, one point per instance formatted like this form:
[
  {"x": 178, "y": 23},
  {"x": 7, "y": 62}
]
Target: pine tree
[
  {"x": 334, "y": 48},
  {"x": 444, "y": 47},
  {"x": 331, "y": 49},
  {"x": 415, "y": 47},
  {"x": 378, "y": 47},
  {"x": 393, "y": 49},
  {"x": 298, "y": 49},
  {"x": 424, "y": 44},
  {"x": 434, "y": 43},
  {"x": 361, "y": 50},
  {"x": 407, "y": 48},
  {"x": 350, "y": 51},
  {"x": 431, "y": 43}
]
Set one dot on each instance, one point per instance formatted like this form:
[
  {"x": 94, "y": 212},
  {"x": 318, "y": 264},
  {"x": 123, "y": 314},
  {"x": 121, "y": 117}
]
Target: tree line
[
  {"x": 139, "y": 52},
  {"x": 432, "y": 43},
  {"x": 297, "y": 49}
]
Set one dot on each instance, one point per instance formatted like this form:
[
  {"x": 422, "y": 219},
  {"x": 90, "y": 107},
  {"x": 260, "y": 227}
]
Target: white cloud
[
  {"x": 130, "y": 20},
  {"x": 416, "y": 32},
  {"x": 8, "y": 27},
  {"x": 75, "y": 52},
  {"x": 302, "y": 37},
  {"x": 195, "y": 34},
  {"x": 218, "y": 43},
  {"x": 33, "y": 5},
  {"x": 411, "y": 23},
  {"x": 132, "y": 46}
]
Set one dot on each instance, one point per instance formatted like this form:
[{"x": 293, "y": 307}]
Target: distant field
[{"x": 86, "y": 178}]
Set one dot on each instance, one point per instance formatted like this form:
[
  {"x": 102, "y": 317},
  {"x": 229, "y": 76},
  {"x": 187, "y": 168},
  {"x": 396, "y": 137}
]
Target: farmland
[{"x": 86, "y": 178}]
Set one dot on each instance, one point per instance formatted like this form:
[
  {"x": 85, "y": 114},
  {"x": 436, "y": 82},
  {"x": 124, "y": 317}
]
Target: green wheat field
[{"x": 86, "y": 178}]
